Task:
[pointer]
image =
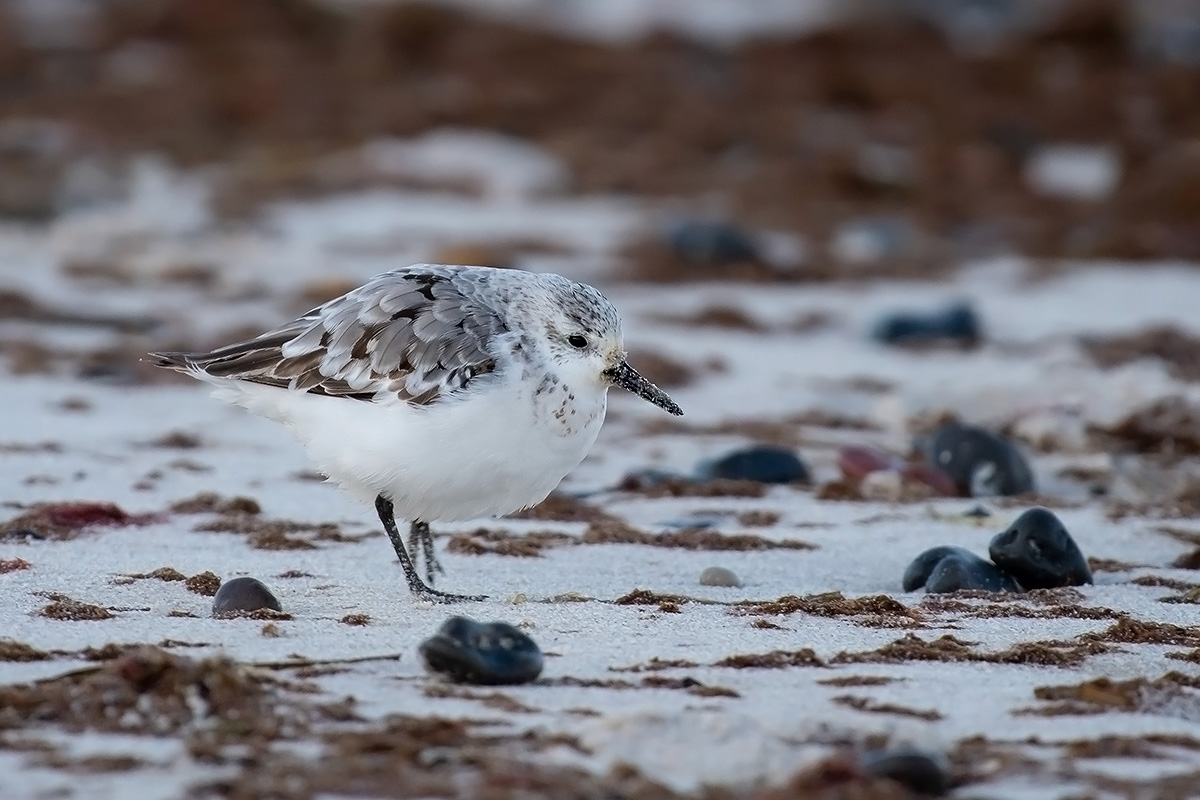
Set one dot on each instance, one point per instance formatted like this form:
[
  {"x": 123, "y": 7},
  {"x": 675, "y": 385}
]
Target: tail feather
[
  {"x": 245, "y": 361},
  {"x": 185, "y": 362},
  {"x": 240, "y": 360}
]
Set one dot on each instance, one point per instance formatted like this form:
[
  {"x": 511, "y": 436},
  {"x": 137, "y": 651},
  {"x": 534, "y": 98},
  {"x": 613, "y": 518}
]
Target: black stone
[
  {"x": 243, "y": 594},
  {"x": 956, "y": 323},
  {"x": 948, "y": 569},
  {"x": 919, "y": 570},
  {"x": 981, "y": 463},
  {"x": 916, "y": 771},
  {"x": 762, "y": 463},
  {"x": 957, "y": 572},
  {"x": 483, "y": 653},
  {"x": 708, "y": 244},
  {"x": 1038, "y": 551}
]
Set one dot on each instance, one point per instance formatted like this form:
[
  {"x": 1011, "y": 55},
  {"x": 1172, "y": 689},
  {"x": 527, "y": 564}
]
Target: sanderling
[{"x": 442, "y": 393}]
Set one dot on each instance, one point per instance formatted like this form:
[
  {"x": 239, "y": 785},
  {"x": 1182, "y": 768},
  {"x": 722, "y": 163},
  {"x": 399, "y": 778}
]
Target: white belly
[{"x": 488, "y": 454}]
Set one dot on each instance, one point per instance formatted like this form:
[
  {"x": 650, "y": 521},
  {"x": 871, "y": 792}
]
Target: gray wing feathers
[
  {"x": 388, "y": 347},
  {"x": 413, "y": 335}
]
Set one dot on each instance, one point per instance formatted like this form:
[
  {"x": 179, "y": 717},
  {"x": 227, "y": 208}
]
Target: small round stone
[
  {"x": 243, "y": 594},
  {"x": 491, "y": 653},
  {"x": 981, "y": 463},
  {"x": 955, "y": 323},
  {"x": 762, "y": 463},
  {"x": 1038, "y": 551},
  {"x": 948, "y": 569},
  {"x": 916, "y": 771},
  {"x": 719, "y": 576}
]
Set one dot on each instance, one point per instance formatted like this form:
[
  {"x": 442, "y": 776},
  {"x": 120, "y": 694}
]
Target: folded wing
[{"x": 412, "y": 335}]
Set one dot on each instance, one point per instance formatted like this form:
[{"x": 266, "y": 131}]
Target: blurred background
[{"x": 786, "y": 139}]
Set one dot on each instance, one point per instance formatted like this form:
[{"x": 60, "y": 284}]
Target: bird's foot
[
  {"x": 418, "y": 533},
  {"x": 431, "y": 595}
]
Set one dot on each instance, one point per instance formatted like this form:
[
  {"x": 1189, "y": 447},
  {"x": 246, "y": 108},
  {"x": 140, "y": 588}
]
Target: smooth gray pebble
[
  {"x": 244, "y": 594},
  {"x": 719, "y": 576}
]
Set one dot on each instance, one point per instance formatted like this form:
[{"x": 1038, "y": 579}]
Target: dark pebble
[
  {"x": 981, "y": 463},
  {"x": 919, "y": 570},
  {"x": 948, "y": 569},
  {"x": 243, "y": 594},
  {"x": 761, "y": 463},
  {"x": 958, "y": 572},
  {"x": 916, "y": 771},
  {"x": 484, "y": 653},
  {"x": 708, "y": 244},
  {"x": 956, "y": 323},
  {"x": 1037, "y": 550}
]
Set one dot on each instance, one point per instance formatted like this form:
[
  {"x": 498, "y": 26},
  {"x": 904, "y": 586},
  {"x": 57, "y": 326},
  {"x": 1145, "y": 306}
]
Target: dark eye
[{"x": 575, "y": 340}]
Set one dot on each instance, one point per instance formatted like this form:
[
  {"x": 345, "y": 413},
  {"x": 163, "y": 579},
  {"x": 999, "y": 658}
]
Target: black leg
[
  {"x": 420, "y": 535},
  {"x": 387, "y": 516}
]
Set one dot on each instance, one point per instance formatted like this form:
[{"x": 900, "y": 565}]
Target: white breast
[{"x": 486, "y": 454}]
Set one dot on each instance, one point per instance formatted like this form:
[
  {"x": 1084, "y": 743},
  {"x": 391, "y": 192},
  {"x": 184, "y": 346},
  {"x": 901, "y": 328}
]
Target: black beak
[{"x": 629, "y": 378}]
